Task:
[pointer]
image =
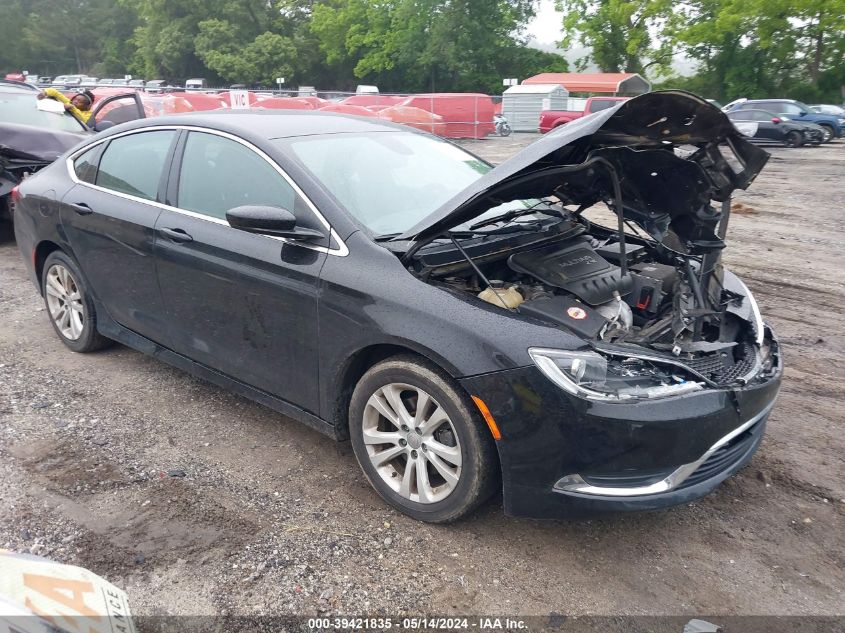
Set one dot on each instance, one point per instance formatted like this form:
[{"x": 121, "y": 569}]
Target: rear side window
[
  {"x": 219, "y": 174},
  {"x": 85, "y": 165},
  {"x": 742, "y": 116},
  {"x": 133, "y": 164}
]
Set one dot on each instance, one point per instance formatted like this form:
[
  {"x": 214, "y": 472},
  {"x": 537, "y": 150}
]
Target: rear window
[
  {"x": 598, "y": 106},
  {"x": 85, "y": 165}
]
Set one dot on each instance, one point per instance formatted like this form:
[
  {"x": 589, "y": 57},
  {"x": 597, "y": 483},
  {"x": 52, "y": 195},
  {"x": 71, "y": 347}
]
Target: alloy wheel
[
  {"x": 412, "y": 443},
  {"x": 64, "y": 301}
]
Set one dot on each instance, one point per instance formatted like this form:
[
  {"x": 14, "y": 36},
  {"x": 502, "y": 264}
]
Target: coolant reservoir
[{"x": 500, "y": 296}]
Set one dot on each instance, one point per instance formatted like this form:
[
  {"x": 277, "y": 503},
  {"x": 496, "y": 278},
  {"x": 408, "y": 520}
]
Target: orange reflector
[{"x": 488, "y": 417}]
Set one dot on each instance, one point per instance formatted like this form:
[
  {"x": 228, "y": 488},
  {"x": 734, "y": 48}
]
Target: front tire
[
  {"x": 828, "y": 133},
  {"x": 420, "y": 441},
  {"x": 793, "y": 139},
  {"x": 69, "y": 305}
]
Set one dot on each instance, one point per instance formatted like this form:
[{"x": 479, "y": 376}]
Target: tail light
[
  {"x": 15, "y": 194},
  {"x": 776, "y": 120}
]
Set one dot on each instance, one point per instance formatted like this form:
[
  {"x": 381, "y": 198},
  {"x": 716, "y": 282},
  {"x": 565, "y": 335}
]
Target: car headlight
[
  {"x": 842, "y": 122},
  {"x": 596, "y": 377}
]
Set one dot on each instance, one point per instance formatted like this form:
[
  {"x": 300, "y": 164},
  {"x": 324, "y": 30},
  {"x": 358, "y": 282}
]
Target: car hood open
[{"x": 664, "y": 148}]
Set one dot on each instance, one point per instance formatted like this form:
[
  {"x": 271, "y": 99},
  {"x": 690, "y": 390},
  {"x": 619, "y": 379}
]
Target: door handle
[
  {"x": 82, "y": 209},
  {"x": 177, "y": 235}
]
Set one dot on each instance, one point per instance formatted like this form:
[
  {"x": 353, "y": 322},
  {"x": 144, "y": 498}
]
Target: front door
[{"x": 241, "y": 303}]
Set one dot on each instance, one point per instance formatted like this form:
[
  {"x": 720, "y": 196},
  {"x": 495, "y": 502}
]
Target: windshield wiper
[{"x": 506, "y": 217}]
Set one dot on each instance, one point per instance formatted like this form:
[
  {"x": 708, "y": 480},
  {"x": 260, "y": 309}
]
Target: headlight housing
[{"x": 596, "y": 377}]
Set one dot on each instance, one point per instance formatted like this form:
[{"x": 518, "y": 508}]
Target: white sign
[
  {"x": 513, "y": 81},
  {"x": 239, "y": 99},
  {"x": 280, "y": 80},
  {"x": 127, "y": 77}
]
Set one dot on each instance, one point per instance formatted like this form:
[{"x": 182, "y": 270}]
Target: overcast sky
[{"x": 545, "y": 27}]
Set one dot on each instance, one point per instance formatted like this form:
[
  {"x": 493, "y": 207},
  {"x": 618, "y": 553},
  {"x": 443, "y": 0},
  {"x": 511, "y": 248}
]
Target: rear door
[
  {"x": 766, "y": 127},
  {"x": 241, "y": 303},
  {"x": 109, "y": 218}
]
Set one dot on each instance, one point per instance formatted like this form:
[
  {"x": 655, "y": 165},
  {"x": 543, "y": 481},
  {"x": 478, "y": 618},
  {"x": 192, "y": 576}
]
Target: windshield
[
  {"x": 391, "y": 180},
  {"x": 20, "y": 108}
]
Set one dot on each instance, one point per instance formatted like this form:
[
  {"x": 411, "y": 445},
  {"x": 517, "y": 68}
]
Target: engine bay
[{"x": 574, "y": 274}]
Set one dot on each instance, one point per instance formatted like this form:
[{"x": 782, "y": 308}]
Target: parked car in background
[
  {"x": 137, "y": 83},
  {"x": 68, "y": 81},
  {"x": 834, "y": 127},
  {"x": 15, "y": 77},
  {"x": 550, "y": 119},
  {"x": 591, "y": 379},
  {"x": 195, "y": 84},
  {"x": 88, "y": 82},
  {"x": 762, "y": 126},
  {"x": 824, "y": 108},
  {"x": 105, "y": 82},
  {"x": 45, "y": 80},
  {"x": 155, "y": 85},
  {"x": 120, "y": 82},
  {"x": 30, "y": 138}
]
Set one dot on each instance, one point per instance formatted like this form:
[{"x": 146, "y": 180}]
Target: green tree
[
  {"x": 618, "y": 32},
  {"x": 432, "y": 45}
]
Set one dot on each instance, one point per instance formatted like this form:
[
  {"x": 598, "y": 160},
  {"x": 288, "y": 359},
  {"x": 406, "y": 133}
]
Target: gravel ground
[{"x": 196, "y": 501}]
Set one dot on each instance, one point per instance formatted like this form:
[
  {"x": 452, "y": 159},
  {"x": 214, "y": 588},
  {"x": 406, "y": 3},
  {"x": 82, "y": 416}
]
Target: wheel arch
[
  {"x": 39, "y": 257},
  {"x": 358, "y": 363}
]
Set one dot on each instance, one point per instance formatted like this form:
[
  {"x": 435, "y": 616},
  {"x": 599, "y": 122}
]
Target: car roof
[
  {"x": 269, "y": 124},
  {"x": 8, "y": 85}
]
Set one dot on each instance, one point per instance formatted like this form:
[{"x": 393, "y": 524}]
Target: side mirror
[
  {"x": 775, "y": 120},
  {"x": 267, "y": 220}
]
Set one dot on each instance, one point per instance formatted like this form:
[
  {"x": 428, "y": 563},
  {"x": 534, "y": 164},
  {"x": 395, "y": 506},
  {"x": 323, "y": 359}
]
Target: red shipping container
[
  {"x": 368, "y": 100},
  {"x": 465, "y": 114}
]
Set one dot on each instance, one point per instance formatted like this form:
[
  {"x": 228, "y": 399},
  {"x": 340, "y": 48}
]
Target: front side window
[
  {"x": 133, "y": 164},
  {"x": 789, "y": 108},
  {"x": 219, "y": 174}
]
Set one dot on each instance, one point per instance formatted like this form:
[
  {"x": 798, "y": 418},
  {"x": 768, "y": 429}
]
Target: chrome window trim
[
  {"x": 576, "y": 483},
  {"x": 340, "y": 251}
]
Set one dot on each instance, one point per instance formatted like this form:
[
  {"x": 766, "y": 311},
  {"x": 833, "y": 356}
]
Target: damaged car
[
  {"x": 559, "y": 328},
  {"x": 34, "y": 133},
  {"x": 30, "y": 139}
]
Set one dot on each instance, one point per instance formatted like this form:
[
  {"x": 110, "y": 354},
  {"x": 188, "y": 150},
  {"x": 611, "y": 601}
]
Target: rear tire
[
  {"x": 420, "y": 441},
  {"x": 69, "y": 304}
]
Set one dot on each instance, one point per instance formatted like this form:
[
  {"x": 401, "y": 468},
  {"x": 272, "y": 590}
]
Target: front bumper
[{"x": 565, "y": 457}]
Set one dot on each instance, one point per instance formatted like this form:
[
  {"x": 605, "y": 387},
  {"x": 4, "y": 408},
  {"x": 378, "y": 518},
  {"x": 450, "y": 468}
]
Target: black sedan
[
  {"x": 763, "y": 126},
  {"x": 468, "y": 328}
]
